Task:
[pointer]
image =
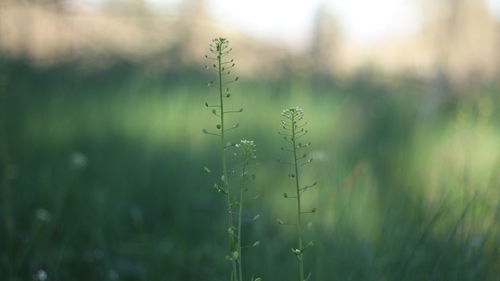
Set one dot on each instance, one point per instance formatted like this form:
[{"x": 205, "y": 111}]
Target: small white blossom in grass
[
  {"x": 246, "y": 149},
  {"x": 41, "y": 275},
  {"x": 295, "y": 112},
  {"x": 78, "y": 160},
  {"x": 319, "y": 155},
  {"x": 43, "y": 215}
]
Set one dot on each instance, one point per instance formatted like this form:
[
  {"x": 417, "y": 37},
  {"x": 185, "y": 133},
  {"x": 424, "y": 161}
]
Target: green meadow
[{"x": 102, "y": 176}]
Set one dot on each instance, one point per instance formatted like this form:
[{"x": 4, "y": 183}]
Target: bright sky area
[{"x": 363, "y": 21}]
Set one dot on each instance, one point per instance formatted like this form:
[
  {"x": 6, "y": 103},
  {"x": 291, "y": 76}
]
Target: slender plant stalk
[
  {"x": 300, "y": 262},
  {"x": 219, "y": 50},
  {"x": 294, "y": 130},
  {"x": 240, "y": 212},
  {"x": 245, "y": 152},
  {"x": 225, "y": 176}
]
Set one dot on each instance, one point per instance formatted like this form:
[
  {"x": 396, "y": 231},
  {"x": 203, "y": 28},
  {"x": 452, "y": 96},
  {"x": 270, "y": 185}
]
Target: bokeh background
[{"x": 102, "y": 151}]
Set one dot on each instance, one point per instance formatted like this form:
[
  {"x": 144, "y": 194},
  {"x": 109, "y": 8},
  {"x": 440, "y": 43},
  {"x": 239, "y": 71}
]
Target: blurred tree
[
  {"x": 194, "y": 9},
  {"x": 191, "y": 30},
  {"x": 453, "y": 29},
  {"x": 325, "y": 41},
  {"x": 58, "y": 4},
  {"x": 128, "y": 7}
]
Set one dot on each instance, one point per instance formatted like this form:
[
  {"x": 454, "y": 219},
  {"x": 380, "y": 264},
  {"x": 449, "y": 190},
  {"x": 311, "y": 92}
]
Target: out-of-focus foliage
[
  {"x": 102, "y": 155},
  {"x": 102, "y": 178}
]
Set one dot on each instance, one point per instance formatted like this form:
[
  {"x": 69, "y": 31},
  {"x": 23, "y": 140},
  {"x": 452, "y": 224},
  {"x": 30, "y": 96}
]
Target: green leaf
[{"x": 231, "y": 243}]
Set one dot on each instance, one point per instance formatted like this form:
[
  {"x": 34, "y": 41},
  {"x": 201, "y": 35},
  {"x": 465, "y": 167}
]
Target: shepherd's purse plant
[
  {"x": 293, "y": 130},
  {"x": 244, "y": 151}
]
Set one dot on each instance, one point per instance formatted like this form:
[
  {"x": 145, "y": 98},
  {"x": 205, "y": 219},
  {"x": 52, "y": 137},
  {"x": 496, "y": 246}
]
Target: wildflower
[
  {"x": 78, "y": 160},
  {"x": 40, "y": 275},
  {"x": 246, "y": 149},
  {"x": 294, "y": 111},
  {"x": 294, "y": 130},
  {"x": 43, "y": 215}
]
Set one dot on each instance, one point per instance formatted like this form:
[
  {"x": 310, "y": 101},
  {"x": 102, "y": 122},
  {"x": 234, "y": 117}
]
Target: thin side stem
[
  {"x": 299, "y": 211},
  {"x": 239, "y": 222}
]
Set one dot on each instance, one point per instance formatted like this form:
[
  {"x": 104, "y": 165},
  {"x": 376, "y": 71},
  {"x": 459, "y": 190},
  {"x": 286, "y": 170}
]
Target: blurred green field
[{"x": 102, "y": 177}]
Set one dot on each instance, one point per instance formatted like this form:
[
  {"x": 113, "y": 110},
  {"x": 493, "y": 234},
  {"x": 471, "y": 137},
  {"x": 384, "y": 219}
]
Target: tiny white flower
[
  {"x": 41, "y": 275},
  {"x": 246, "y": 148},
  {"x": 319, "y": 155},
  {"x": 294, "y": 111},
  {"x": 43, "y": 215},
  {"x": 78, "y": 159}
]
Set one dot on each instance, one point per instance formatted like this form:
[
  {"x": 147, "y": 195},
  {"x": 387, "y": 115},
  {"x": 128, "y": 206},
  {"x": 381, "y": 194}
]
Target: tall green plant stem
[
  {"x": 224, "y": 167},
  {"x": 300, "y": 262},
  {"x": 242, "y": 189}
]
